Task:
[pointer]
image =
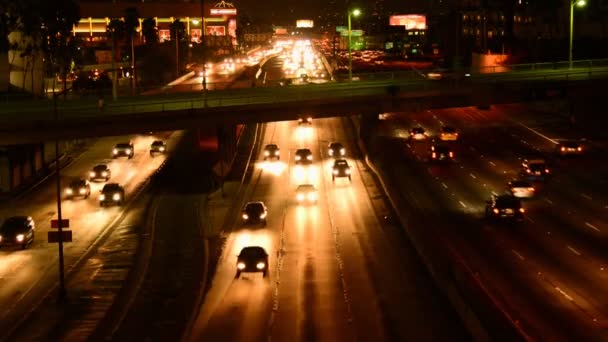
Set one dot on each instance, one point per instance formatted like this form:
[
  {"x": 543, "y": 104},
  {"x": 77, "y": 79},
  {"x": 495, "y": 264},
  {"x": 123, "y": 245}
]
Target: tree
[
  {"x": 131, "y": 26},
  {"x": 149, "y": 31},
  {"x": 116, "y": 32},
  {"x": 177, "y": 27}
]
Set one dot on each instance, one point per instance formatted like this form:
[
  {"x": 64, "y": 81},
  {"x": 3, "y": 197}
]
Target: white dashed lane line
[
  {"x": 592, "y": 226},
  {"x": 521, "y": 257},
  {"x": 492, "y": 163},
  {"x": 472, "y": 175},
  {"x": 462, "y": 204},
  {"x": 564, "y": 294},
  {"x": 587, "y": 197},
  {"x": 443, "y": 185},
  {"x": 574, "y": 250}
]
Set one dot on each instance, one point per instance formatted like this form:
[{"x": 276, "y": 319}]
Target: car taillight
[
  {"x": 579, "y": 149},
  {"x": 451, "y": 154},
  {"x": 496, "y": 211},
  {"x": 563, "y": 149},
  {"x": 434, "y": 155},
  {"x": 530, "y": 189},
  {"x": 547, "y": 171},
  {"x": 522, "y": 210}
]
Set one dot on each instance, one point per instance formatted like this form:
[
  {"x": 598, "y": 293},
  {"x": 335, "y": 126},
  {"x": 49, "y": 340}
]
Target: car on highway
[
  {"x": 303, "y": 156},
  {"x": 305, "y": 121},
  {"x": 123, "y": 150},
  {"x": 78, "y": 187},
  {"x": 569, "y": 148},
  {"x": 252, "y": 259},
  {"x": 17, "y": 231},
  {"x": 101, "y": 171},
  {"x": 448, "y": 133},
  {"x": 158, "y": 146},
  {"x": 272, "y": 151},
  {"x": 254, "y": 212},
  {"x": 418, "y": 133},
  {"x": 111, "y": 193},
  {"x": 521, "y": 188},
  {"x": 441, "y": 153},
  {"x": 504, "y": 207},
  {"x": 336, "y": 149},
  {"x": 306, "y": 193},
  {"x": 535, "y": 169},
  {"x": 340, "y": 169}
]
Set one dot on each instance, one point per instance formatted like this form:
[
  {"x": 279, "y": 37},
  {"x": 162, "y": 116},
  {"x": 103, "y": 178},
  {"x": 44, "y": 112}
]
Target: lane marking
[
  {"x": 573, "y": 250},
  {"x": 518, "y": 255},
  {"x": 564, "y": 293},
  {"x": 529, "y": 219},
  {"x": 587, "y": 197},
  {"x": 443, "y": 184},
  {"x": 592, "y": 226},
  {"x": 539, "y": 133},
  {"x": 472, "y": 175},
  {"x": 462, "y": 204},
  {"x": 494, "y": 193},
  {"x": 492, "y": 163},
  {"x": 549, "y": 201}
]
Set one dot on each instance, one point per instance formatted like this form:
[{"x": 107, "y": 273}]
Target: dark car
[
  {"x": 91, "y": 81},
  {"x": 336, "y": 149},
  {"x": 305, "y": 121},
  {"x": 123, "y": 150},
  {"x": 252, "y": 259},
  {"x": 255, "y": 212},
  {"x": 569, "y": 148},
  {"x": 158, "y": 146},
  {"x": 303, "y": 156},
  {"x": 78, "y": 187},
  {"x": 535, "y": 169},
  {"x": 112, "y": 193},
  {"x": 504, "y": 207},
  {"x": 272, "y": 151},
  {"x": 418, "y": 133},
  {"x": 441, "y": 153},
  {"x": 100, "y": 171},
  {"x": 17, "y": 231},
  {"x": 340, "y": 169}
]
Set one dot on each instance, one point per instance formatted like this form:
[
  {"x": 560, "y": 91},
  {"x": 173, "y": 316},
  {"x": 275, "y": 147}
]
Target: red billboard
[
  {"x": 164, "y": 35},
  {"x": 195, "y": 35},
  {"x": 232, "y": 27},
  {"x": 410, "y": 21},
  {"x": 216, "y": 30}
]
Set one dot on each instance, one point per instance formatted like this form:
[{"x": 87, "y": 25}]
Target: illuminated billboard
[
  {"x": 216, "y": 30},
  {"x": 195, "y": 35},
  {"x": 223, "y": 11},
  {"x": 232, "y": 27},
  {"x": 164, "y": 35},
  {"x": 304, "y": 23},
  {"x": 410, "y": 21},
  {"x": 280, "y": 30}
]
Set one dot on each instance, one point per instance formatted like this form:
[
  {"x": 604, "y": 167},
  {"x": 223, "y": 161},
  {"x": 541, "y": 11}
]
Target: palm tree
[
  {"x": 116, "y": 32},
  {"x": 149, "y": 31},
  {"x": 131, "y": 26}
]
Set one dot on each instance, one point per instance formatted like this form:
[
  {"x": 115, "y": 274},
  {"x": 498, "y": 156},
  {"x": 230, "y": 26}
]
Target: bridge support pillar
[{"x": 367, "y": 126}]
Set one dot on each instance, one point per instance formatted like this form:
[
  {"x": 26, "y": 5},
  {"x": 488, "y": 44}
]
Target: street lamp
[
  {"x": 579, "y": 3},
  {"x": 355, "y": 13}
]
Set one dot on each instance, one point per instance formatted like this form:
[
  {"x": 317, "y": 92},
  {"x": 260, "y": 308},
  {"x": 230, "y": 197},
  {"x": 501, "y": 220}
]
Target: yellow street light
[{"x": 355, "y": 12}]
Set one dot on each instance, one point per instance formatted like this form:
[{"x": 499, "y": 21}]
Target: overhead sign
[
  {"x": 304, "y": 23},
  {"x": 410, "y": 21},
  {"x": 341, "y": 28},
  {"x": 53, "y": 236},
  {"x": 223, "y": 11},
  {"x": 65, "y": 223},
  {"x": 353, "y": 33},
  {"x": 280, "y": 30}
]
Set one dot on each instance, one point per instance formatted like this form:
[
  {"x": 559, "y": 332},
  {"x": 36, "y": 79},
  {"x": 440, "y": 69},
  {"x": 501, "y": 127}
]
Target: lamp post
[
  {"x": 579, "y": 3},
  {"x": 355, "y": 13}
]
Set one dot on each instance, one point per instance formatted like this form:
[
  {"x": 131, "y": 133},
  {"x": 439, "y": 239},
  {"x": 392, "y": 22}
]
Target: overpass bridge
[{"x": 371, "y": 94}]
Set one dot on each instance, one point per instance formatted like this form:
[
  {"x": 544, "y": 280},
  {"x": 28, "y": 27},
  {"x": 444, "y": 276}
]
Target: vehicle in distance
[
  {"x": 535, "y": 169},
  {"x": 303, "y": 156},
  {"x": 123, "y": 150},
  {"x": 418, "y": 133},
  {"x": 158, "y": 146},
  {"x": 447, "y": 133},
  {"x": 101, "y": 171},
  {"x": 521, "y": 188},
  {"x": 504, "y": 207},
  {"x": 336, "y": 149},
  {"x": 17, "y": 231},
  {"x": 441, "y": 153},
  {"x": 111, "y": 193},
  {"x": 272, "y": 151},
  {"x": 306, "y": 193},
  {"x": 252, "y": 259},
  {"x": 340, "y": 169},
  {"x": 305, "y": 121},
  {"x": 254, "y": 212},
  {"x": 78, "y": 187},
  {"x": 569, "y": 148}
]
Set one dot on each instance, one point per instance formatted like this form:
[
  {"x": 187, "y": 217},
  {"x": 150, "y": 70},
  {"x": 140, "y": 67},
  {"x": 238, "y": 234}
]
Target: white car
[
  {"x": 521, "y": 188},
  {"x": 448, "y": 133},
  {"x": 418, "y": 133},
  {"x": 306, "y": 193}
]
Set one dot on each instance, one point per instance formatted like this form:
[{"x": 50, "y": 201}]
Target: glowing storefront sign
[
  {"x": 164, "y": 35},
  {"x": 280, "y": 30},
  {"x": 223, "y": 11},
  {"x": 410, "y": 21},
  {"x": 232, "y": 27},
  {"x": 216, "y": 30},
  {"x": 195, "y": 35},
  {"x": 304, "y": 23}
]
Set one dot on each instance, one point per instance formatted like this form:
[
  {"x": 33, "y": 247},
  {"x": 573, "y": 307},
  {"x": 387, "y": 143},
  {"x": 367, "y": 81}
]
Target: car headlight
[
  {"x": 276, "y": 153},
  {"x": 331, "y": 152},
  {"x": 69, "y": 191},
  {"x": 298, "y": 157},
  {"x": 309, "y": 157},
  {"x": 102, "y": 197},
  {"x": 312, "y": 196},
  {"x": 342, "y": 151},
  {"x": 82, "y": 191},
  {"x": 522, "y": 210},
  {"x": 300, "y": 197},
  {"x": 91, "y": 174},
  {"x": 162, "y": 149},
  {"x": 20, "y": 237},
  {"x": 335, "y": 172},
  {"x": 579, "y": 148},
  {"x": 266, "y": 153},
  {"x": 496, "y": 211},
  {"x": 115, "y": 151},
  {"x": 530, "y": 189},
  {"x": 263, "y": 215},
  {"x": 245, "y": 216},
  {"x": 128, "y": 151},
  {"x": 116, "y": 197},
  {"x": 563, "y": 148},
  {"x": 240, "y": 265},
  {"x": 104, "y": 173},
  {"x": 347, "y": 171},
  {"x": 0, "y": 238},
  {"x": 260, "y": 265}
]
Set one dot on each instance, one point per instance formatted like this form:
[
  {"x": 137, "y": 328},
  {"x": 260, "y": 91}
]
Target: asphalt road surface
[{"x": 548, "y": 271}]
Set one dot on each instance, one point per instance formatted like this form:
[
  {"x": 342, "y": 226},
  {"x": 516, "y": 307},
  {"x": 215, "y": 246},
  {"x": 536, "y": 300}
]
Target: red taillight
[
  {"x": 451, "y": 154},
  {"x": 522, "y": 210},
  {"x": 579, "y": 148},
  {"x": 563, "y": 149},
  {"x": 547, "y": 171},
  {"x": 434, "y": 155}
]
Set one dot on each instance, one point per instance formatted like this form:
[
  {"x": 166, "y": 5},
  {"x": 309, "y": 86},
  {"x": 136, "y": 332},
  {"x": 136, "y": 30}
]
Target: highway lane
[
  {"x": 473, "y": 177},
  {"x": 27, "y": 275}
]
